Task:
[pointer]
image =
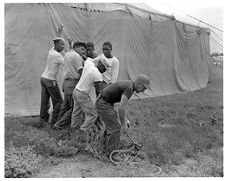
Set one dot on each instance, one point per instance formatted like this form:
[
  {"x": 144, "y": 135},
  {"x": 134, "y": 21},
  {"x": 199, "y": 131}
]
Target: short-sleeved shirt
[
  {"x": 72, "y": 63},
  {"x": 111, "y": 74},
  {"x": 90, "y": 74},
  {"x": 88, "y": 63},
  {"x": 54, "y": 60},
  {"x": 113, "y": 92}
]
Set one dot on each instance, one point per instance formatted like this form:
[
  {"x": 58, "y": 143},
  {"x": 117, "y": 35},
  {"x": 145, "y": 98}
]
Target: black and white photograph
[{"x": 113, "y": 89}]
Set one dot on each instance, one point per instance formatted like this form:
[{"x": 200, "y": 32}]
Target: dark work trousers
[
  {"x": 109, "y": 116},
  {"x": 64, "y": 117},
  {"x": 49, "y": 90}
]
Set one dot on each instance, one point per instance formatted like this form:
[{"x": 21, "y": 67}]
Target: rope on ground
[{"x": 136, "y": 148}]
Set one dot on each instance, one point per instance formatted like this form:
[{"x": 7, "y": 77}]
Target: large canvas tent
[{"x": 175, "y": 55}]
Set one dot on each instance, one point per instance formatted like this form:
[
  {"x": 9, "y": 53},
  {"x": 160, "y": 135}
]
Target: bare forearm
[
  {"x": 121, "y": 112},
  {"x": 114, "y": 76},
  {"x": 115, "y": 70}
]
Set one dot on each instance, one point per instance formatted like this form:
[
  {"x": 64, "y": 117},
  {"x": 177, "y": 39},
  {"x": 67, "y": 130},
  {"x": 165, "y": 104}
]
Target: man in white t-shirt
[
  {"x": 73, "y": 65},
  {"x": 49, "y": 86},
  {"x": 111, "y": 74},
  {"x": 83, "y": 105}
]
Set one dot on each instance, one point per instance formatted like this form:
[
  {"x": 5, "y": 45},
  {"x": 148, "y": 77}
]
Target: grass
[{"x": 168, "y": 128}]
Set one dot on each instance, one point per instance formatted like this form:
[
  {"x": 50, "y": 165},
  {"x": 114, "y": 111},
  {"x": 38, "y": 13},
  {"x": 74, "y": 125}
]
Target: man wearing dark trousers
[
  {"x": 73, "y": 65},
  {"x": 49, "y": 85},
  {"x": 120, "y": 91}
]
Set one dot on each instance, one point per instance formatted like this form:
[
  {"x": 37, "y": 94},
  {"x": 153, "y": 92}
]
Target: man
[
  {"x": 83, "y": 105},
  {"x": 111, "y": 74},
  {"x": 49, "y": 86},
  {"x": 73, "y": 65},
  {"x": 90, "y": 50},
  {"x": 120, "y": 91}
]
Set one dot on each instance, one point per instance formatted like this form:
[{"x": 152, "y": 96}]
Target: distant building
[{"x": 218, "y": 60}]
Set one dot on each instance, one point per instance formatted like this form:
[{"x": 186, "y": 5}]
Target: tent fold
[{"x": 173, "y": 54}]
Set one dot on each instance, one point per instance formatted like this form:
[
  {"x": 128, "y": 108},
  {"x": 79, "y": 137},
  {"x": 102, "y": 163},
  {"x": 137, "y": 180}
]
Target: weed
[{"x": 20, "y": 161}]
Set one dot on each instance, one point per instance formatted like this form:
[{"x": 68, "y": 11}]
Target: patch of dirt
[{"x": 84, "y": 165}]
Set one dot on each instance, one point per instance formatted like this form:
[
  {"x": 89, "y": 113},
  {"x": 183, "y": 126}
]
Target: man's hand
[
  {"x": 59, "y": 31},
  {"x": 127, "y": 123},
  {"x": 121, "y": 113},
  {"x": 125, "y": 126},
  {"x": 69, "y": 41},
  {"x": 60, "y": 28},
  {"x": 94, "y": 55}
]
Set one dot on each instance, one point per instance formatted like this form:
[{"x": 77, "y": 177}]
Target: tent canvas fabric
[{"x": 173, "y": 54}]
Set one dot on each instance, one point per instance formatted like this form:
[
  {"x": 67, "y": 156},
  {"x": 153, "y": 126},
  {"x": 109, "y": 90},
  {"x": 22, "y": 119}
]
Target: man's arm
[
  {"x": 78, "y": 63},
  {"x": 96, "y": 59},
  {"x": 94, "y": 55},
  {"x": 59, "y": 32},
  {"x": 115, "y": 69},
  {"x": 122, "y": 111}
]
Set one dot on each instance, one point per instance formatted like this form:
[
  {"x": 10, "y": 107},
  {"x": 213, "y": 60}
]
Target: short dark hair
[
  {"x": 108, "y": 43},
  {"x": 79, "y": 44},
  {"x": 56, "y": 41},
  {"x": 90, "y": 44}
]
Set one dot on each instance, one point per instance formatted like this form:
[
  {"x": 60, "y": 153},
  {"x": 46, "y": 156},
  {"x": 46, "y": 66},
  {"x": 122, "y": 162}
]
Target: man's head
[
  {"x": 80, "y": 48},
  {"x": 102, "y": 65},
  {"x": 107, "y": 48},
  {"x": 89, "y": 49},
  {"x": 58, "y": 44},
  {"x": 142, "y": 83}
]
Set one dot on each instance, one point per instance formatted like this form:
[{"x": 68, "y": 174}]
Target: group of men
[{"x": 84, "y": 70}]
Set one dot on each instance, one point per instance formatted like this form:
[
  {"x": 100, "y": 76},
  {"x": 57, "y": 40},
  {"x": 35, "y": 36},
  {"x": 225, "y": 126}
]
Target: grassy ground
[
  {"x": 170, "y": 129},
  {"x": 167, "y": 127}
]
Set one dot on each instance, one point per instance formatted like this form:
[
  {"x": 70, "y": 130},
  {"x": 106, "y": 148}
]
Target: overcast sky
[{"x": 209, "y": 11}]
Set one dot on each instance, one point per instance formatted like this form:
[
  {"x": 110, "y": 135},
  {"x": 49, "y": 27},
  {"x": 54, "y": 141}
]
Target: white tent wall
[
  {"x": 192, "y": 57},
  {"x": 175, "y": 59}
]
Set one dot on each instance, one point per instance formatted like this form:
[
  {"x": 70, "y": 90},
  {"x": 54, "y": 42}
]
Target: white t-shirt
[
  {"x": 54, "y": 60},
  {"x": 90, "y": 74},
  {"x": 89, "y": 63},
  {"x": 72, "y": 63},
  {"x": 111, "y": 74}
]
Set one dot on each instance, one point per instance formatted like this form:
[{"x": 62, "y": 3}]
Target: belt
[
  {"x": 84, "y": 92},
  {"x": 72, "y": 79}
]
